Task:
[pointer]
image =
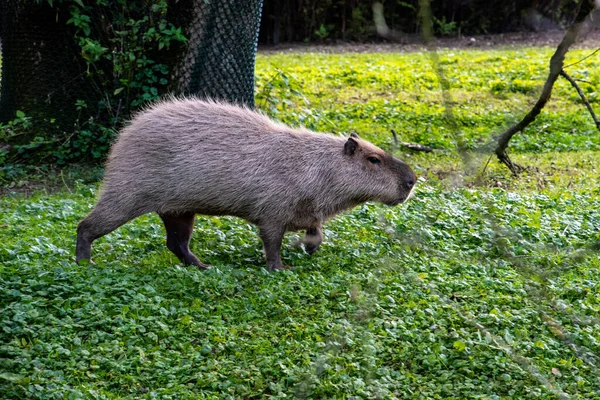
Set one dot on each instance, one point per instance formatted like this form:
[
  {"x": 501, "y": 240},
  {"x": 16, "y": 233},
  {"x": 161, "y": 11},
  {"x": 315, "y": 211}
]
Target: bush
[{"x": 120, "y": 65}]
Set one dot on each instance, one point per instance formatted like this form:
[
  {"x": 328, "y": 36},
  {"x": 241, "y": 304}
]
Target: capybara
[{"x": 183, "y": 157}]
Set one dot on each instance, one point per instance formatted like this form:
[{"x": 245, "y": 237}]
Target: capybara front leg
[
  {"x": 179, "y": 229},
  {"x": 313, "y": 238},
  {"x": 272, "y": 237}
]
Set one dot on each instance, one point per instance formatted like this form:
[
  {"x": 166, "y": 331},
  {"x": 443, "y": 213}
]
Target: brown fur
[{"x": 183, "y": 157}]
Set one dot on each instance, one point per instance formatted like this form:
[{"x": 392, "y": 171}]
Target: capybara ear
[
  {"x": 350, "y": 146},
  {"x": 354, "y": 135}
]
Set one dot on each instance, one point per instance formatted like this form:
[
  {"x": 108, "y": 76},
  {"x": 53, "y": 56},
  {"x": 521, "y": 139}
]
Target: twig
[
  {"x": 486, "y": 164},
  {"x": 63, "y": 181},
  {"x": 583, "y": 59},
  {"x": 582, "y": 95},
  {"x": 411, "y": 146},
  {"x": 395, "y": 137},
  {"x": 417, "y": 147}
]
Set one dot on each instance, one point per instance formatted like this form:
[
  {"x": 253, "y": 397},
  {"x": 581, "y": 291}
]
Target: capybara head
[{"x": 377, "y": 175}]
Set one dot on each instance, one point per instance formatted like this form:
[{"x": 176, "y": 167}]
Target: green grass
[
  {"x": 373, "y": 93},
  {"x": 481, "y": 286}
]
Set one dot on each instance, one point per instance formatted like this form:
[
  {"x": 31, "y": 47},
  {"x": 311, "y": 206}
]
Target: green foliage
[
  {"x": 448, "y": 296},
  {"x": 359, "y": 26},
  {"x": 140, "y": 30},
  {"x": 11, "y": 131},
  {"x": 479, "y": 287},
  {"x": 318, "y": 20},
  {"x": 323, "y": 32},
  {"x": 122, "y": 42},
  {"x": 353, "y": 20},
  {"x": 445, "y": 28},
  {"x": 489, "y": 90}
]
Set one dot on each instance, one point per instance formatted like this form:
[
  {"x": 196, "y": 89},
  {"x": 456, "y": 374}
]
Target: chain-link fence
[{"x": 218, "y": 61}]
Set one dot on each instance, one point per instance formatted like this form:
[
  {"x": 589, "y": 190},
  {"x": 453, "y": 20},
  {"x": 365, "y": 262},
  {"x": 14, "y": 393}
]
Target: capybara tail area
[{"x": 105, "y": 218}]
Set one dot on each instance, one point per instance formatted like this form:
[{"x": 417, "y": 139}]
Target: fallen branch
[
  {"x": 556, "y": 66},
  {"x": 417, "y": 147},
  {"x": 582, "y": 95},
  {"x": 411, "y": 146}
]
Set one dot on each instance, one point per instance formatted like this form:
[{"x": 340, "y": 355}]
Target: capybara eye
[{"x": 374, "y": 160}]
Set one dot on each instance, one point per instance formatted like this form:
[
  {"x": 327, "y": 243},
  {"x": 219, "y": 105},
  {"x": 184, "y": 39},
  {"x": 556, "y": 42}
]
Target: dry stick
[
  {"x": 411, "y": 146},
  {"x": 556, "y": 64},
  {"x": 417, "y": 147},
  {"x": 582, "y": 95},
  {"x": 486, "y": 164}
]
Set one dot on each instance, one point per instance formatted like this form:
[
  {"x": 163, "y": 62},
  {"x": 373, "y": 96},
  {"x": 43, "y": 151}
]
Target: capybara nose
[{"x": 409, "y": 184}]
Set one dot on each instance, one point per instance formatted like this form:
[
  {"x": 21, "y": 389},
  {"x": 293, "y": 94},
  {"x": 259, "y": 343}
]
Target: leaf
[
  {"x": 539, "y": 344},
  {"x": 9, "y": 376},
  {"x": 20, "y": 114},
  {"x": 459, "y": 346}
]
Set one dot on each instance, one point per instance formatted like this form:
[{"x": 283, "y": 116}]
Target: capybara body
[{"x": 183, "y": 157}]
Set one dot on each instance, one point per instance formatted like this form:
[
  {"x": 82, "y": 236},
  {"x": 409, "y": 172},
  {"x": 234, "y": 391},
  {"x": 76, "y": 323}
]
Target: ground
[{"x": 588, "y": 39}]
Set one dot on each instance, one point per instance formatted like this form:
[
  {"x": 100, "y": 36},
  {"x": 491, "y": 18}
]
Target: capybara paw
[
  {"x": 83, "y": 261},
  {"x": 283, "y": 268},
  {"x": 278, "y": 267}
]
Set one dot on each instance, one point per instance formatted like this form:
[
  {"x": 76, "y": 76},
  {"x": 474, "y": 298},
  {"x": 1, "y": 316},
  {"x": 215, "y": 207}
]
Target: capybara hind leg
[
  {"x": 179, "y": 229},
  {"x": 101, "y": 221}
]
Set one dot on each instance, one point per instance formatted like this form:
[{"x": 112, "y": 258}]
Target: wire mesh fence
[{"x": 218, "y": 62}]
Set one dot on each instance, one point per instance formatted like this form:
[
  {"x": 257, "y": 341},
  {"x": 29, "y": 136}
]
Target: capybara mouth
[{"x": 401, "y": 199}]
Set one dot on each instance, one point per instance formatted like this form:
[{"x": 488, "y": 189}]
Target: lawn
[{"x": 481, "y": 286}]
